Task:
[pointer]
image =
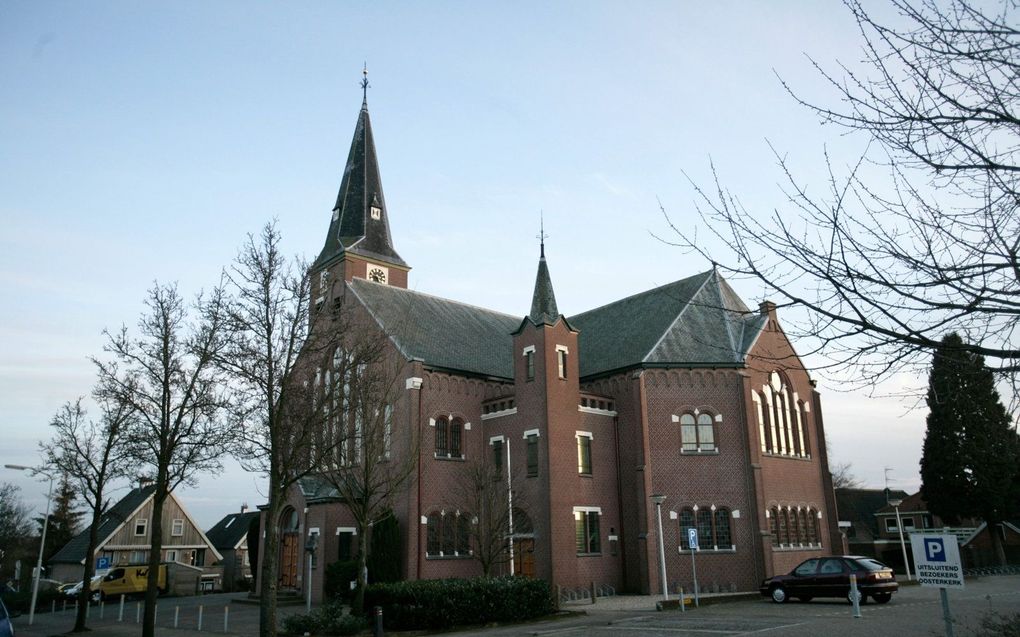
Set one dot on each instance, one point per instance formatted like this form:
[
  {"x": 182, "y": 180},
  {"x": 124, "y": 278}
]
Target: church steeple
[
  {"x": 543, "y": 301},
  {"x": 360, "y": 225}
]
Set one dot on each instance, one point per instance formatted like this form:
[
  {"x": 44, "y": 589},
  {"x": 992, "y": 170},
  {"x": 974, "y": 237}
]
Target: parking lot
[{"x": 913, "y": 611}]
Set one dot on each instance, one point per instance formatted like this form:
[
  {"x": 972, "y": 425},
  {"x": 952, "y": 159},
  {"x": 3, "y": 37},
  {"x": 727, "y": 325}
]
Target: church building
[{"x": 679, "y": 404}]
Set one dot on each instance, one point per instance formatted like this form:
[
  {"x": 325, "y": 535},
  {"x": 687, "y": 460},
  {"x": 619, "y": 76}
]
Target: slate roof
[
  {"x": 543, "y": 301},
  {"x": 352, "y": 228},
  {"x": 230, "y": 530},
  {"x": 697, "y": 321},
  {"x": 911, "y": 503},
  {"x": 441, "y": 332},
  {"x": 74, "y": 551}
]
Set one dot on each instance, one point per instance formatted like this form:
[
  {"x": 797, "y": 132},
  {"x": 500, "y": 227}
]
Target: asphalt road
[{"x": 913, "y": 611}]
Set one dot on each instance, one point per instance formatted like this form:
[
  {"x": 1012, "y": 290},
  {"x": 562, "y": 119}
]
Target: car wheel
[
  {"x": 861, "y": 598},
  {"x": 882, "y": 598},
  {"x": 805, "y": 598},
  {"x": 779, "y": 595}
]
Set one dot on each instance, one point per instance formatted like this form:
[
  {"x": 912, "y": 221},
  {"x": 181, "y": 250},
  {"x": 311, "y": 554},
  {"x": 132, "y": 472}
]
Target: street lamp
[
  {"x": 42, "y": 542},
  {"x": 658, "y": 500},
  {"x": 903, "y": 545}
]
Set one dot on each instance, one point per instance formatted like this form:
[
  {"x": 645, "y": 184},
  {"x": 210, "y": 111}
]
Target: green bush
[
  {"x": 439, "y": 604},
  {"x": 327, "y": 620},
  {"x": 339, "y": 576}
]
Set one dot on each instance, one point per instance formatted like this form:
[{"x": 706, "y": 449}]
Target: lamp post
[
  {"x": 658, "y": 500},
  {"x": 899, "y": 526},
  {"x": 42, "y": 542}
]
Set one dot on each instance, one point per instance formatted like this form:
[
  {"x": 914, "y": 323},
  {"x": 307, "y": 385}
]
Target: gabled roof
[
  {"x": 440, "y": 332},
  {"x": 74, "y": 551},
  {"x": 860, "y": 505},
  {"x": 228, "y": 532},
  {"x": 353, "y": 229},
  {"x": 697, "y": 321},
  {"x": 910, "y": 504}
]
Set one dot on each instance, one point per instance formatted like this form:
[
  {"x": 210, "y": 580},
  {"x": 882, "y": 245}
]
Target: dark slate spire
[
  {"x": 360, "y": 223},
  {"x": 543, "y": 302}
]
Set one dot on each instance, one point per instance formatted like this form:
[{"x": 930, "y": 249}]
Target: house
[
  {"x": 230, "y": 537},
  {"x": 681, "y": 392},
  {"x": 857, "y": 522},
  {"x": 124, "y": 538}
]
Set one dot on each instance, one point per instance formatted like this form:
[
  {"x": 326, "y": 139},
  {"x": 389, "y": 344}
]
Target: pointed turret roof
[
  {"x": 354, "y": 228},
  {"x": 543, "y": 301}
]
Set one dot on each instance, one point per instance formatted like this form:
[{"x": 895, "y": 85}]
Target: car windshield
[{"x": 871, "y": 565}]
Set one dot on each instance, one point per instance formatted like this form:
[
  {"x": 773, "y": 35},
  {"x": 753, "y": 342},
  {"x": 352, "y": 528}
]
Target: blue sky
[{"x": 142, "y": 141}]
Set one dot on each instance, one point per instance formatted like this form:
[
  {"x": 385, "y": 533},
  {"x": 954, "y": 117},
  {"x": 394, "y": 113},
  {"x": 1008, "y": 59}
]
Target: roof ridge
[
  {"x": 637, "y": 294},
  {"x": 676, "y": 319},
  {"x": 361, "y": 281}
]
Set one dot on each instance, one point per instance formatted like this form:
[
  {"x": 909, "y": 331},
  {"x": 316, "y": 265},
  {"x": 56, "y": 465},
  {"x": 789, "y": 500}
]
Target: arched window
[
  {"x": 812, "y": 527},
  {"x": 802, "y": 534},
  {"x": 442, "y": 437},
  {"x": 697, "y": 434},
  {"x": 433, "y": 530},
  {"x": 463, "y": 545},
  {"x": 686, "y": 522},
  {"x": 774, "y": 525},
  {"x": 723, "y": 539},
  {"x": 456, "y": 428},
  {"x": 806, "y": 444},
  {"x": 448, "y": 534},
  {"x": 784, "y": 527},
  {"x": 705, "y": 528}
]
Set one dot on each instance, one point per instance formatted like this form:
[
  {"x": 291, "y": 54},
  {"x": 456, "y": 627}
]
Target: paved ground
[{"x": 913, "y": 611}]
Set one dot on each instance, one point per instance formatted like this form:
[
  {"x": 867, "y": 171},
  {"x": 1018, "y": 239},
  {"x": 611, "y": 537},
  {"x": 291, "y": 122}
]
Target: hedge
[{"x": 438, "y": 604}]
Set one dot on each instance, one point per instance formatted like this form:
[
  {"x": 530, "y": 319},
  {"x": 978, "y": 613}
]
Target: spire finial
[
  {"x": 364, "y": 85},
  {"x": 542, "y": 236}
]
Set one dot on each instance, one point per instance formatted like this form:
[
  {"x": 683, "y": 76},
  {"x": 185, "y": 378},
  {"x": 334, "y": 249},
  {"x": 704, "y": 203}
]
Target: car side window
[
  {"x": 807, "y": 568},
  {"x": 830, "y": 567}
]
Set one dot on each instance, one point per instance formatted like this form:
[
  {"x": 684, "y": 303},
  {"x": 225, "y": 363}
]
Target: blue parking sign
[
  {"x": 102, "y": 563},
  {"x": 692, "y": 539}
]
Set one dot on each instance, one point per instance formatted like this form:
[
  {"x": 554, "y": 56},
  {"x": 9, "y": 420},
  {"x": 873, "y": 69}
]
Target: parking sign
[
  {"x": 692, "y": 539},
  {"x": 937, "y": 560}
]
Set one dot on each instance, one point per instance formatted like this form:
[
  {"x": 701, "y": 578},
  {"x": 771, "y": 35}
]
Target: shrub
[
  {"x": 327, "y": 620},
  {"x": 339, "y": 576},
  {"x": 996, "y": 625},
  {"x": 438, "y": 604}
]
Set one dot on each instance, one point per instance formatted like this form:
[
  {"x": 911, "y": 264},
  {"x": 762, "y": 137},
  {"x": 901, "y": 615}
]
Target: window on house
[
  {"x": 456, "y": 428},
  {"x": 723, "y": 537},
  {"x": 177, "y": 527},
  {"x": 784, "y": 526},
  {"x": 812, "y": 527},
  {"x": 697, "y": 434},
  {"x": 141, "y": 526},
  {"x": 584, "y": 453},
  {"x": 139, "y": 557},
  {"x": 345, "y": 541},
  {"x": 387, "y": 430},
  {"x": 908, "y": 524},
  {"x": 497, "y": 455},
  {"x": 586, "y": 526},
  {"x": 171, "y": 555},
  {"x": 773, "y": 515},
  {"x": 704, "y": 517},
  {"x": 686, "y": 523},
  {"x": 529, "y": 364},
  {"x": 442, "y": 438},
  {"x": 448, "y": 534},
  {"x": 532, "y": 455},
  {"x": 561, "y": 362},
  {"x": 802, "y": 517},
  {"x": 890, "y": 524}
]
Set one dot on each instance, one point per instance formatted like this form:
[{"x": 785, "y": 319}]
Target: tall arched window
[
  {"x": 812, "y": 526},
  {"x": 784, "y": 526},
  {"x": 802, "y": 534},
  {"x": 774, "y": 525},
  {"x": 434, "y": 539},
  {"x": 442, "y": 437},
  {"x": 705, "y": 528},
  {"x": 723, "y": 539},
  {"x": 448, "y": 534},
  {"x": 686, "y": 522},
  {"x": 456, "y": 429},
  {"x": 806, "y": 444}
]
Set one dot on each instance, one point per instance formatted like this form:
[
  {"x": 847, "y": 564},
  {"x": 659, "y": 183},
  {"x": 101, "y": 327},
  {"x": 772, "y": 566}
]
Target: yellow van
[{"x": 129, "y": 580}]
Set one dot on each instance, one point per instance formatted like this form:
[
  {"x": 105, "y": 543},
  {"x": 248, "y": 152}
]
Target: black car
[{"x": 830, "y": 577}]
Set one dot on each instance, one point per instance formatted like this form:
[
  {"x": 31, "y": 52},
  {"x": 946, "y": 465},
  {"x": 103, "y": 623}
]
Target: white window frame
[
  {"x": 144, "y": 524},
  {"x": 177, "y": 527}
]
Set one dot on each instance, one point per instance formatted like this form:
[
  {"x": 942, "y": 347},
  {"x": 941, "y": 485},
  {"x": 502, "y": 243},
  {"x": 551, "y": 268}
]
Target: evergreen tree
[
  {"x": 970, "y": 466},
  {"x": 65, "y": 520}
]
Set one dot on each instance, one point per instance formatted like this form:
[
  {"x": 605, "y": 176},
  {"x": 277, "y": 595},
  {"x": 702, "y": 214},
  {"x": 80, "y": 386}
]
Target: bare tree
[
  {"x": 885, "y": 269},
  {"x": 15, "y": 524},
  {"x": 493, "y": 501},
  {"x": 164, "y": 380},
  {"x": 272, "y": 400},
  {"x": 91, "y": 454},
  {"x": 375, "y": 464}
]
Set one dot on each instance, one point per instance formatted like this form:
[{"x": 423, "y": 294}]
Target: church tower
[{"x": 358, "y": 243}]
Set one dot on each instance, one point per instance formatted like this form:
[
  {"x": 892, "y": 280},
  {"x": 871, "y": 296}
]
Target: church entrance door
[
  {"x": 524, "y": 556},
  {"x": 289, "y": 561}
]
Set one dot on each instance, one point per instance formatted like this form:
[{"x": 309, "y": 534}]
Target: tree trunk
[
  {"x": 270, "y": 556},
  {"x": 90, "y": 570},
  {"x": 358, "y": 603},
  {"x": 155, "y": 552}
]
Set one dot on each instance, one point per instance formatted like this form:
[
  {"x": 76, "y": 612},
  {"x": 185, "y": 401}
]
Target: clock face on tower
[{"x": 376, "y": 274}]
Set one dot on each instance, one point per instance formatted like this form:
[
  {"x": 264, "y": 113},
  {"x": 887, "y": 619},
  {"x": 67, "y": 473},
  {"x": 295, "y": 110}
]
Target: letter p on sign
[{"x": 934, "y": 549}]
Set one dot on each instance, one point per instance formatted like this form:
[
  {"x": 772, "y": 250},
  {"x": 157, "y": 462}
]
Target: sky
[{"x": 141, "y": 142}]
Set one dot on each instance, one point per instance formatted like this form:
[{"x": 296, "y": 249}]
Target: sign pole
[
  {"x": 692, "y": 541},
  {"x": 946, "y": 616}
]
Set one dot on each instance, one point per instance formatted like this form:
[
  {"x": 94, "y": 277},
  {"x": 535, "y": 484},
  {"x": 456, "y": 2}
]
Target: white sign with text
[{"x": 937, "y": 560}]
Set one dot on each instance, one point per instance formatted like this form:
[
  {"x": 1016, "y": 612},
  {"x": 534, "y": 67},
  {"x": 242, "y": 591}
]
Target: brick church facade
[{"x": 681, "y": 391}]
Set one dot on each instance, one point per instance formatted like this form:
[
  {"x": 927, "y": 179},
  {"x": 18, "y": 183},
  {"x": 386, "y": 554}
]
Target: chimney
[
  {"x": 144, "y": 481},
  {"x": 767, "y": 308}
]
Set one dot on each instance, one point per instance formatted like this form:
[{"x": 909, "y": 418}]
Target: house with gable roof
[
  {"x": 230, "y": 537},
  {"x": 125, "y": 538},
  {"x": 681, "y": 391}
]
